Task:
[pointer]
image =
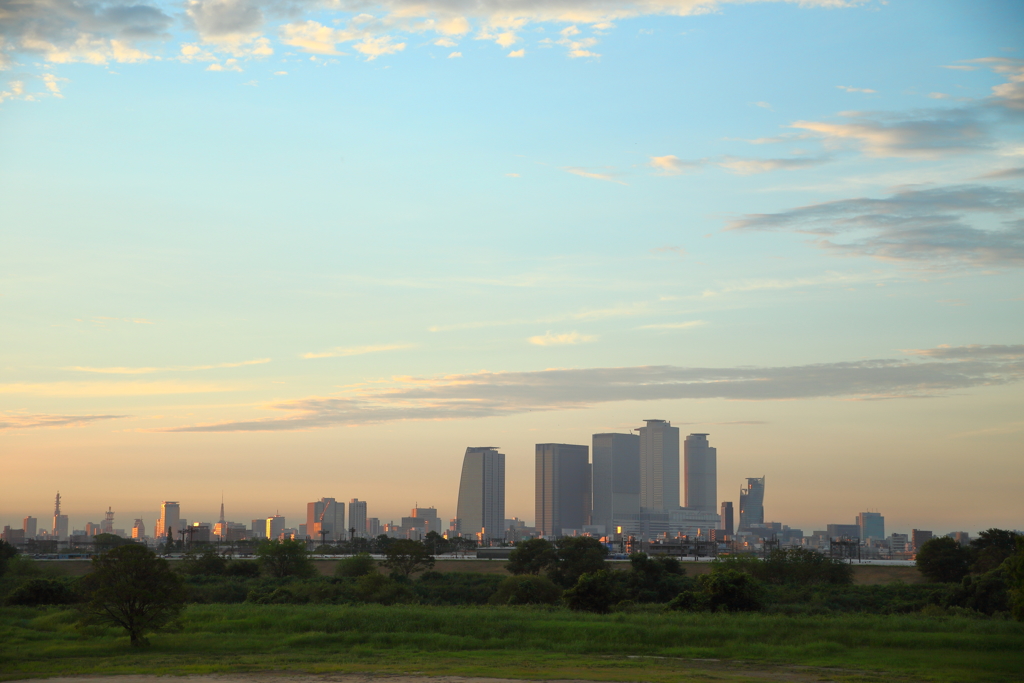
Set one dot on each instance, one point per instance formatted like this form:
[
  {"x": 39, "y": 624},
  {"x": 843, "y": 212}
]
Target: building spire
[{"x": 221, "y": 507}]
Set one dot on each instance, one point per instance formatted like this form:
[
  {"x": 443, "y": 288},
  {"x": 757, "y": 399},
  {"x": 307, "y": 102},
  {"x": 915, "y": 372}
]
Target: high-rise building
[
  {"x": 139, "y": 530},
  {"x": 700, "y": 473},
  {"x": 616, "y": 478},
  {"x": 919, "y": 537},
  {"x": 751, "y": 503},
  {"x": 60, "y": 522},
  {"x": 659, "y": 466},
  {"x": 29, "y": 526},
  {"x": 422, "y": 521},
  {"x": 726, "y": 517},
  {"x": 481, "y": 506},
  {"x": 843, "y": 531},
  {"x": 275, "y": 526},
  {"x": 562, "y": 494},
  {"x": 170, "y": 518},
  {"x": 872, "y": 525},
  {"x": 107, "y": 525},
  {"x": 327, "y": 516},
  {"x": 259, "y": 528},
  {"x": 373, "y": 527},
  {"x": 357, "y": 516}
]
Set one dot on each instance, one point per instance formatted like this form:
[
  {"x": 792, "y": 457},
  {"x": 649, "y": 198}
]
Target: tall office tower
[
  {"x": 60, "y": 522},
  {"x": 29, "y": 525},
  {"x": 107, "y": 525},
  {"x": 872, "y": 525},
  {"x": 752, "y": 503},
  {"x": 616, "y": 478},
  {"x": 170, "y": 517},
  {"x": 562, "y": 493},
  {"x": 357, "y": 516},
  {"x": 373, "y": 527},
  {"x": 275, "y": 526},
  {"x": 139, "y": 530},
  {"x": 328, "y": 516},
  {"x": 259, "y": 528},
  {"x": 726, "y": 516},
  {"x": 700, "y": 473},
  {"x": 659, "y": 466},
  {"x": 919, "y": 537},
  {"x": 482, "y": 493}
]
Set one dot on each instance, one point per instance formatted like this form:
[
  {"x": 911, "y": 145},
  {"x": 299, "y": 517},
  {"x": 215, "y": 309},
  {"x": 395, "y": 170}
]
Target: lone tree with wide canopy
[{"x": 132, "y": 588}]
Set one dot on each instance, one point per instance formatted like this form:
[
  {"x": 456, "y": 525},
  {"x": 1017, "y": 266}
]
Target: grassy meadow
[{"x": 646, "y": 644}]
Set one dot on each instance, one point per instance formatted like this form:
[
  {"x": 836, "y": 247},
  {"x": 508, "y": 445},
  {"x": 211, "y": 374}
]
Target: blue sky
[{"x": 259, "y": 240}]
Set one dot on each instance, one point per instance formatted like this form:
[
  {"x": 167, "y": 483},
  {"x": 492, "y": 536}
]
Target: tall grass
[{"x": 523, "y": 642}]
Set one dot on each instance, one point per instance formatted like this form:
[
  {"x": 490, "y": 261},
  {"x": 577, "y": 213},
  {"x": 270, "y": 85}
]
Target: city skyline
[{"x": 316, "y": 249}]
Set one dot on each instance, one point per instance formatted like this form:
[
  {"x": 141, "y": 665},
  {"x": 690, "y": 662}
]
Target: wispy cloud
[
  {"x": 11, "y": 421},
  {"x": 553, "y": 339},
  {"x": 489, "y": 394},
  {"x": 111, "y": 388},
  {"x": 674, "y": 326},
  {"x": 673, "y": 165},
  {"x": 924, "y": 225},
  {"x": 848, "y": 88},
  {"x": 356, "y": 350},
  {"x": 177, "y": 368},
  {"x": 584, "y": 173}
]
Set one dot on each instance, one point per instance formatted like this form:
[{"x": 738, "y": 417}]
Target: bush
[
  {"x": 242, "y": 569},
  {"x": 987, "y": 593},
  {"x": 381, "y": 589},
  {"x": 355, "y": 566},
  {"x": 1014, "y": 567},
  {"x": 532, "y": 557},
  {"x": 725, "y": 590},
  {"x": 655, "y": 579},
  {"x": 593, "y": 592},
  {"x": 792, "y": 566},
  {"x": 526, "y": 589},
  {"x": 456, "y": 588},
  {"x": 280, "y": 559},
  {"x": 35, "y": 592},
  {"x": 405, "y": 557},
  {"x": 943, "y": 560},
  {"x": 577, "y": 555},
  {"x": 207, "y": 562}
]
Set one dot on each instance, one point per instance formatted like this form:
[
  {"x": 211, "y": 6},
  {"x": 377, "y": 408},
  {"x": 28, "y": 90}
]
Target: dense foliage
[{"x": 944, "y": 559}]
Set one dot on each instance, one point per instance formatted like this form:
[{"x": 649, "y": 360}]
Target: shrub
[
  {"x": 655, "y": 579},
  {"x": 526, "y": 589},
  {"x": 943, "y": 560},
  {"x": 532, "y": 557},
  {"x": 381, "y": 589},
  {"x": 593, "y": 592},
  {"x": 793, "y": 566},
  {"x": 285, "y": 558},
  {"x": 577, "y": 555},
  {"x": 207, "y": 562},
  {"x": 725, "y": 590},
  {"x": 987, "y": 593},
  {"x": 456, "y": 588},
  {"x": 405, "y": 557},
  {"x": 355, "y": 566},
  {"x": 242, "y": 569},
  {"x": 35, "y": 592}
]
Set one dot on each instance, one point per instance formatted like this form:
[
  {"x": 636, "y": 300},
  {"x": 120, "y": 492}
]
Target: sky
[{"x": 281, "y": 250}]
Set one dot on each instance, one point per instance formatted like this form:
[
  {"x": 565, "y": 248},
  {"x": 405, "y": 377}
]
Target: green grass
[{"x": 649, "y": 645}]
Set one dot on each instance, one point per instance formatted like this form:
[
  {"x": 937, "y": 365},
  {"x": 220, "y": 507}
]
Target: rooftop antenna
[{"x": 221, "y": 507}]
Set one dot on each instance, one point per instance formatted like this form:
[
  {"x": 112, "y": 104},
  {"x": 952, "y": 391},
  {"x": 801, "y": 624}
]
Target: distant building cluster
[{"x": 623, "y": 489}]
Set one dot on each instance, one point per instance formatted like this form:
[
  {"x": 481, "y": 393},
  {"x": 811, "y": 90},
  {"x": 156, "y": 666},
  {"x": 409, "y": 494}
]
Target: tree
[
  {"x": 132, "y": 588},
  {"x": 101, "y": 543},
  {"x": 802, "y": 566},
  {"x": 577, "y": 555},
  {"x": 655, "y": 579},
  {"x": 943, "y": 559},
  {"x": 207, "y": 562},
  {"x": 35, "y": 592},
  {"x": 991, "y": 548},
  {"x": 593, "y": 592},
  {"x": 532, "y": 557},
  {"x": 357, "y": 565},
  {"x": 285, "y": 558},
  {"x": 526, "y": 589},
  {"x": 436, "y": 543},
  {"x": 405, "y": 557},
  {"x": 1014, "y": 568},
  {"x": 726, "y": 590},
  {"x": 7, "y": 551}
]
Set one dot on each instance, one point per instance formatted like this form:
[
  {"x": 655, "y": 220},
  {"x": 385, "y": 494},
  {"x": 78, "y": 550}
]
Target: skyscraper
[
  {"x": 482, "y": 493},
  {"x": 357, "y": 516},
  {"x": 60, "y": 522},
  {"x": 751, "y": 504},
  {"x": 616, "y": 478},
  {"x": 872, "y": 525},
  {"x": 139, "y": 530},
  {"x": 328, "y": 516},
  {"x": 107, "y": 525},
  {"x": 700, "y": 473},
  {"x": 275, "y": 526},
  {"x": 170, "y": 518},
  {"x": 29, "y": 525},
  {"x": 659, "y": 466},
  {"x": 726, "y": 517},
  {"x": 562, "y": 493}
]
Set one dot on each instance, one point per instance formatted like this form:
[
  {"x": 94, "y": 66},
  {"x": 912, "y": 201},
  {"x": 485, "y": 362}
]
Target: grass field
[{"x": 655, "y": 646}]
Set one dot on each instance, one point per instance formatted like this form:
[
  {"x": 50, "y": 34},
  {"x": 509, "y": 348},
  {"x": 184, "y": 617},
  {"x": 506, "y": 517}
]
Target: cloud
[
  {"x": 1004, "y": 174},
  {"x": 670, "y": 249},
  {"x": 763, "y": 105},
  {"x": 550, "y": 339},
  {"x": 228, "y": 65},
  {"x": 925, "y": 225},
  {"x": 490, "y": 394},
  {"x": 850, "y": 89},
  {"x": 80, "y": 389},
  {"x": 972, "y": 351},
  {"x": 928, "y": 135},
  {"x": 673, "y": 165},
  {"x": 356, "y": 350},
  {"x": 674, "y": 326},
  {"x": 10, "y": 421},
  {"x": 454, "y": 55},
  {"x": 180, "y": 368},
  {"x": 517, "y": 53},
  {"x": 378, "y": 47},
  {"x": 584, "y": 173}
]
